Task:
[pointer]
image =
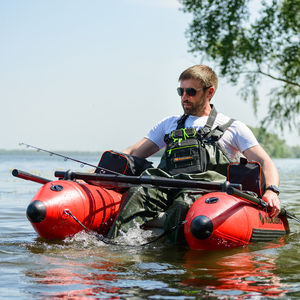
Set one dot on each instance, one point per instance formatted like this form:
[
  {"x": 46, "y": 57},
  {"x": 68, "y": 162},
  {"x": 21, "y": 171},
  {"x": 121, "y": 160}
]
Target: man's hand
[
  {"x": 272, "y": 199},
  {"x": 257, "y": 153}
]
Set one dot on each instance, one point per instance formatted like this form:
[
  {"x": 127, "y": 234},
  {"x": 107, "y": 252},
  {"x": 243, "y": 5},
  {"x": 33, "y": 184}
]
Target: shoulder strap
[
  {"x": 210, "y": 122},
  {"x": 181, "y": 121},
  {"x": 207, "y": 129},
  {"x": 217, "y": 133},
  {"x": 211, "y": 118}
]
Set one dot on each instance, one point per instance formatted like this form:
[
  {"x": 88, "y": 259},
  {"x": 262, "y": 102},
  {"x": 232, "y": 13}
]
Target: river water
[{"x": 84, "y": 268}]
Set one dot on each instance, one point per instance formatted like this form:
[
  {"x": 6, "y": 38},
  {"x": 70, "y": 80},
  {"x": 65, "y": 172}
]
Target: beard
[
  {"x": 189, "y": 108},
  {"x": 193, "y": 108}
]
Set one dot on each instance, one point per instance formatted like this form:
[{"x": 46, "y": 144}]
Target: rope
[
  {"x": 110, "y": 242},
  {"x": 98, "y": 235}
]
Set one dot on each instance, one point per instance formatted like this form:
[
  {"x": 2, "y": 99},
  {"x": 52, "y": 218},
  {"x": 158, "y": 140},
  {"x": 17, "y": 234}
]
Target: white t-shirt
[{"x": 236, "y": 139}]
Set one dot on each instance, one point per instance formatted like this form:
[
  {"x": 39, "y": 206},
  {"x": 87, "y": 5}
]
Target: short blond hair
[{"x": 203, "y": 73}]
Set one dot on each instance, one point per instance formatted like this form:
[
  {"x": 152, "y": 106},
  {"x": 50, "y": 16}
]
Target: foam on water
[{"x": 134, "y": 237}]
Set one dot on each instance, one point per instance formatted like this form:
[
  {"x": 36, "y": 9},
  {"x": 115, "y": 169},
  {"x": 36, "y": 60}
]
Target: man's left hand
[{"x": 272, "y": 199}]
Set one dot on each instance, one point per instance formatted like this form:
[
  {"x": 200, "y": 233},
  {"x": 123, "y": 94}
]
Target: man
[{"x": 197, "y": 87}]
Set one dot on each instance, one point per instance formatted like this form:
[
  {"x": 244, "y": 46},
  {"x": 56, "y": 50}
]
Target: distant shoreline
[
  {"x": 63, "y": 152},
  {"x": 73, "y": 154}
]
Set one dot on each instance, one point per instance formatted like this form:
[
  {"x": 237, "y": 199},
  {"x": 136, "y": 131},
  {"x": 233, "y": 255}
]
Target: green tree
[
  {"x": 250, "y": 48},
  {"x": 295, "y": 151},
  {"x": 273, "y": 145}
]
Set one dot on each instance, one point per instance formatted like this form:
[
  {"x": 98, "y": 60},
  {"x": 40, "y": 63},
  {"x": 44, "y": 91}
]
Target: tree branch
[{"x": 279, "y": 79}]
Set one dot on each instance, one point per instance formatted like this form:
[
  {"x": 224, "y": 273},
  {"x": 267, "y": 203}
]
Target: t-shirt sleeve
[
  {"x": 158, "y": 132},
  {"x": 243, "y": 138}
]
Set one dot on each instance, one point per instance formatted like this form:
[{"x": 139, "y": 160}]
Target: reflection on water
[
  {"x": 250, "y": 272},
  {"x": 73, "y": 269},
  {"x": 83, "y": 267},
  {"x": 86, "y": 267},
  {"x": 70, "y": 277}
]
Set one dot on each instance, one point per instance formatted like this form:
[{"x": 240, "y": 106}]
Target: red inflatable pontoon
[
  {"x": 50, "y": 211},
  {"x": 219, "y": 220}
]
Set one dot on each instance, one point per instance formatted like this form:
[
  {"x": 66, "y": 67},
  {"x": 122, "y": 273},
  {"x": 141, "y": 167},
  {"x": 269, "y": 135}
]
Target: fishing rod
[
  {"x": 125, "y": 181},
  {"x": 283, "y": 212},
  {"x": 82, "y": 163}
]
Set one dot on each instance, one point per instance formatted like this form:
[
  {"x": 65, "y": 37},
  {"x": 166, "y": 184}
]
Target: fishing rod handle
[
  {"x": 59, "y": 174},
  {"x": 67, "y": 175}
]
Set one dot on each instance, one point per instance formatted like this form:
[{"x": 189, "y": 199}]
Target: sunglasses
[{"x": 189, "y": 91}]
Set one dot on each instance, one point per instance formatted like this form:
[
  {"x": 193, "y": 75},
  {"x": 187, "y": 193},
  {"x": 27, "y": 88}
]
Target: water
[{"x": 85, "y": 268}]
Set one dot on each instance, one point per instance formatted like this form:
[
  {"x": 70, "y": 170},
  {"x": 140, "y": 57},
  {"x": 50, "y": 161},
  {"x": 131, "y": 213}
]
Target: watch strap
[{"x": 273, "y": 188}]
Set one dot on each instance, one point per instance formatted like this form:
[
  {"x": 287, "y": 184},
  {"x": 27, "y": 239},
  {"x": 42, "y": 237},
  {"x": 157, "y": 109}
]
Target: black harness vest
[{"x": 192, "y": 151}]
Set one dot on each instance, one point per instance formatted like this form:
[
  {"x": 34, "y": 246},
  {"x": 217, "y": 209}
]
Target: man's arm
[
  {"x": 257, "y": 153},
  {"x": 144, "y": 148}
]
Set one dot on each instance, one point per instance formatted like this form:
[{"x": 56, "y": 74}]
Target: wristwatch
[{"x": 273, "y": 188}]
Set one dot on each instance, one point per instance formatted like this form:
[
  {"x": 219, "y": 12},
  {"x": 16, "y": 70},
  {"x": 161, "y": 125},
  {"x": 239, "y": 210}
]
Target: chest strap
[
  {"x": 209, "y": 123},
  {"x": 207, "y": 131}
]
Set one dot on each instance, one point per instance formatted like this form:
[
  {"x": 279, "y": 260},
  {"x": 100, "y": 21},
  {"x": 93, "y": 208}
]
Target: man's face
[{"x": 193, "y": 105}]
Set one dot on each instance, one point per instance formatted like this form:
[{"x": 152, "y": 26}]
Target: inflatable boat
[{"x": 225, "y": 217}]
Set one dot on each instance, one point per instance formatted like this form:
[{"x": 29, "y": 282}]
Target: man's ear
[{"x": 210, "y": 92}]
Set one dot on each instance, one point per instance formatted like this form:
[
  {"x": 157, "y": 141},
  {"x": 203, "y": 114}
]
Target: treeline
[{"x": 274, "y": 146}]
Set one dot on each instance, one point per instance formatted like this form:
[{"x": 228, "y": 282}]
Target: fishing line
[{"x": 82, "y": 163}]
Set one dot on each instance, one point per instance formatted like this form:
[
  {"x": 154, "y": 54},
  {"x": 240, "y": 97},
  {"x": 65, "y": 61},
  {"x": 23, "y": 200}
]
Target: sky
[{"x": 93, "y": 75}]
